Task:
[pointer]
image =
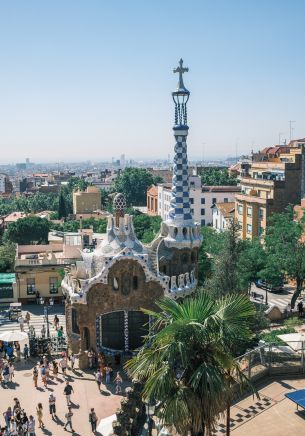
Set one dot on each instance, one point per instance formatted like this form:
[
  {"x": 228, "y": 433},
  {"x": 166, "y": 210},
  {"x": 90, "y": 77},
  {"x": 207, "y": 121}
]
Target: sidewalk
[{"x": 85, "y": 396}]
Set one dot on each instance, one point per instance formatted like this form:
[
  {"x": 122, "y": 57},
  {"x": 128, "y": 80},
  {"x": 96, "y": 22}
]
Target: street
[{"x": 279, "y": 299}]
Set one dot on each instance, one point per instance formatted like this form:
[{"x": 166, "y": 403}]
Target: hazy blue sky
[{"x": 92, "y": 79}]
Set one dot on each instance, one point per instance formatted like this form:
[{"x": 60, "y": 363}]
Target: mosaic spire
[{"x": 180, "y": 208}]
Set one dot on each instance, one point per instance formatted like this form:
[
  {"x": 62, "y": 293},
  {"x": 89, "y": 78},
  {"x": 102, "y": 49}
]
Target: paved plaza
[
  {"x": 85, "y": 396},
  {"x": 270, "y": 415}
]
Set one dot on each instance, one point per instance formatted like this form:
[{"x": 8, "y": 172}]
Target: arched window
[
  {"x": 135, "y": 282},
  {"x": 185, "y": 258},
  {"x": 193, "y": 257},
  {"x": 184, "y": 231}
]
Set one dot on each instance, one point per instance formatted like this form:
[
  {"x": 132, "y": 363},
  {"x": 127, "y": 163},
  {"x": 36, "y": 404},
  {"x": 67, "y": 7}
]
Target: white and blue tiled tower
[{"x": 181, "y": 229}]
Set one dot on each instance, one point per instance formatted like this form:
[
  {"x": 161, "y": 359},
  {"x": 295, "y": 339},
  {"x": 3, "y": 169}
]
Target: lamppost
[
  {"x": 46, "y": 314},
  {"x": 150, "y": 411}
]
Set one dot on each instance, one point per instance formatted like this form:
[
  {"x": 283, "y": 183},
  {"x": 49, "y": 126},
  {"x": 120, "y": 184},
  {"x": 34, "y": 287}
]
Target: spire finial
[{"x": 181, "y": 70}]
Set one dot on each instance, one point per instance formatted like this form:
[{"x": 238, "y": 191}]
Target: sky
[{"x": 92, "y": 79}]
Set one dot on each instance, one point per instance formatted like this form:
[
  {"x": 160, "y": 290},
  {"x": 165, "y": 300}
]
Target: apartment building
[
  {"x": 152, "y": 201},
  {"x": 202, "y": 199},
  {"x": 223, "y": 214},
  {"x": 6, "y": 186},
  {"x": 87, "y": 201},
  {"x": 274, "y": 179}
]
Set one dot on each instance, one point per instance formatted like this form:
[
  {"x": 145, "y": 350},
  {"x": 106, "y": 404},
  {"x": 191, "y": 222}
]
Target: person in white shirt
[
  {"x": 21, "y": 323},
  {"x": 31, "y": 426}
]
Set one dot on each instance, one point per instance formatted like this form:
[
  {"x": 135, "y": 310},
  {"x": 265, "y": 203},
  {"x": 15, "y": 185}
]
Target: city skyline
[{"x": 92, "y": 81}]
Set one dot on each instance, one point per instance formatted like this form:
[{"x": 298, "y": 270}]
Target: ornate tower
[
  {"x": 182, "y": 231},
  {"x": 180, "y": 238}
]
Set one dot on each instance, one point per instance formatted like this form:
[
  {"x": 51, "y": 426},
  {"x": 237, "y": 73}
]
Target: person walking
[
  {"x": 67, "y": 391},
  {"x": 40, "y": 415},
  {"x": 26, "y": 352},
  {"x": 8, "y": 416},
  {"x": 21, "y": 323},
  {"x": 6, "y": 374},
  {"x": 37, "y": 297},
  {"x": 68, "y": 417},
  {"x": 300, "y": 308},
  {"x": 72, "y": 360},
  {"x": 35, "y": 376},
  {"x": 56, "y": 322},
  {"x": 118, "y": 383},
  {"x": 55, "y": 368},
  {"x": 18, "y": 351},
  {"x": 93, "y": 420},
  {"x": 98, "y": 377},
  {"x": 63, "y": 364},
  {"x": 43, "y": 332},
  {"x": 11, "y": 371},
  {"x": 43, "y": 374},
  {"x": 27, "y": 318},
  {"x": 31, "y": 426},
  {"x": 107, "y": 372},
  {"x": 52, "y": 405}
]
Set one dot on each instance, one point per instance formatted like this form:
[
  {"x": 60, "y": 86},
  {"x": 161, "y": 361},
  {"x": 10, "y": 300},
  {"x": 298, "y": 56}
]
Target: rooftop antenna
[
  {"x": 291, "y": 129},
  {"x": 280, "y": 137}
]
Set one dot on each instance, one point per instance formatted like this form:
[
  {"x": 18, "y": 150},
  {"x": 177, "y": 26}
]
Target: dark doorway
[
  {"x": 137, "y": 328},
  {"x": 113, "y": 330}
]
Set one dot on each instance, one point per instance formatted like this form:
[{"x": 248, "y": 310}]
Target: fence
[{"x": 271, "y": 359}]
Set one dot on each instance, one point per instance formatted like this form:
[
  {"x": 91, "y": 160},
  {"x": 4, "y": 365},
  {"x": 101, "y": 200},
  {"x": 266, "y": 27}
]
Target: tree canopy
[
  {"x": 217, "y": 177},
  {"x": 7, "y": 257},
  {"x": 133, "y": 183},
  {"x": 187, "y": 358},
  {"x": 30, "y": 230}
]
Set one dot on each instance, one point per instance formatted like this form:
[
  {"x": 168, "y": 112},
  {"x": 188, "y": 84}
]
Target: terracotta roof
[
  {"x": 152, "y": 190},
  {"x": 227, "y": 209}
]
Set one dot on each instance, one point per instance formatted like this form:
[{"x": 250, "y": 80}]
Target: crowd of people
[{"x": 19, "y": 423}]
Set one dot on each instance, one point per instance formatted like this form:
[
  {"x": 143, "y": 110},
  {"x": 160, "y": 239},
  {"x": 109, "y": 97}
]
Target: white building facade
[{"x": 202, "y": 198}]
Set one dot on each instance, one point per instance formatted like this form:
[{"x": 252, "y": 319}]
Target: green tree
[
  {"x": 76, "y": 183},
  {"x": 187, "y": 357},
  {"x": 133, "y": 183},
  {"x": 7, "y": 257},
  {"x": 285, "y": 249},
  {"x": 30, "y": 230},
  {"x": 251, "y": 262},
  {"x": 226, "y": 278},
  {"x": 62, "y": 209},
  {"x": 217, "y": 177}
]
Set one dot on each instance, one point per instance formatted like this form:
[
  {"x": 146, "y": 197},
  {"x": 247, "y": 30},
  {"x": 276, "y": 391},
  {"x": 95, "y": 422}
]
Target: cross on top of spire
[{"x": 181, "y": 70}]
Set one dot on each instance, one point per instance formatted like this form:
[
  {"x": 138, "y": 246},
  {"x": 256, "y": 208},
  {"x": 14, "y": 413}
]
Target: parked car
[
  {"x": 262, "y": 284},
  {"x": 15, "y": 311}
]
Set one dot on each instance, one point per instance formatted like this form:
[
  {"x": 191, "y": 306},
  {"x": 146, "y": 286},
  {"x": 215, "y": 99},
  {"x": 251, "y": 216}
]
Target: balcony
[{"x": 43, "y": 262}]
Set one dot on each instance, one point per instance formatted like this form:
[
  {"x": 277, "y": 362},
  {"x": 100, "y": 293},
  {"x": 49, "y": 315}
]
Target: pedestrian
[
  {"x": 51, "y": 301},
  {"x": 6, "y": 374},
  {"x": 25, "y": 422},
  {"x": 90, "y": 359},
  {"x": 56, "y": 322},
  {"x": 31, "y": 426},
  {"x": 18, "y": 352},
  {"x": 52, "y": 405},
  {"x": 8, "y": 416},
  {"x": 37, "y": 297},
  {"x": 40, "y": 415},
  {"x": 72, "y": 360},
  {"x": 93, "y": 420},
  {"x": 21, "y": 323},
  {"x": 35, "y": 376},
  {"x": 43, "y": 374},
  {"x": 68, "y": 417},
  {"x": 98, "y": 378},
  {"x": 11, "y": 371},
  {"x": 55, "y": 368},
  {"x": 300, "y": 308},
  {"x": 13, "y": 427},
  {"x": 43, "y": 332},
  {"x": 16, "y": 406},
  {"x": 27, "y": 318},
  {"x": 67, "y": 391},
  {"x": 107, "y": 372},
  {"x": 60, "y": 333},
  {"x": 118, "y": 382},
  {"x": 26, "y": 352},
  {"x": 63, "y": 364}
]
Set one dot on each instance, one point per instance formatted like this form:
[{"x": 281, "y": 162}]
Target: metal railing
[{"x": 271, "y": 359}]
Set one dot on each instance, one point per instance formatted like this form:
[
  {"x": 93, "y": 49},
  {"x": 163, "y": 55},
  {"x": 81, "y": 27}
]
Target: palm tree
[{"x": 187, "y": 357}]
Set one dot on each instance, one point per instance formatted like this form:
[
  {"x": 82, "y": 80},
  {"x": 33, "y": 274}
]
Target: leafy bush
[
  {"x": 272, "y": 336},
  {"x": 293, "y": 322}
]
